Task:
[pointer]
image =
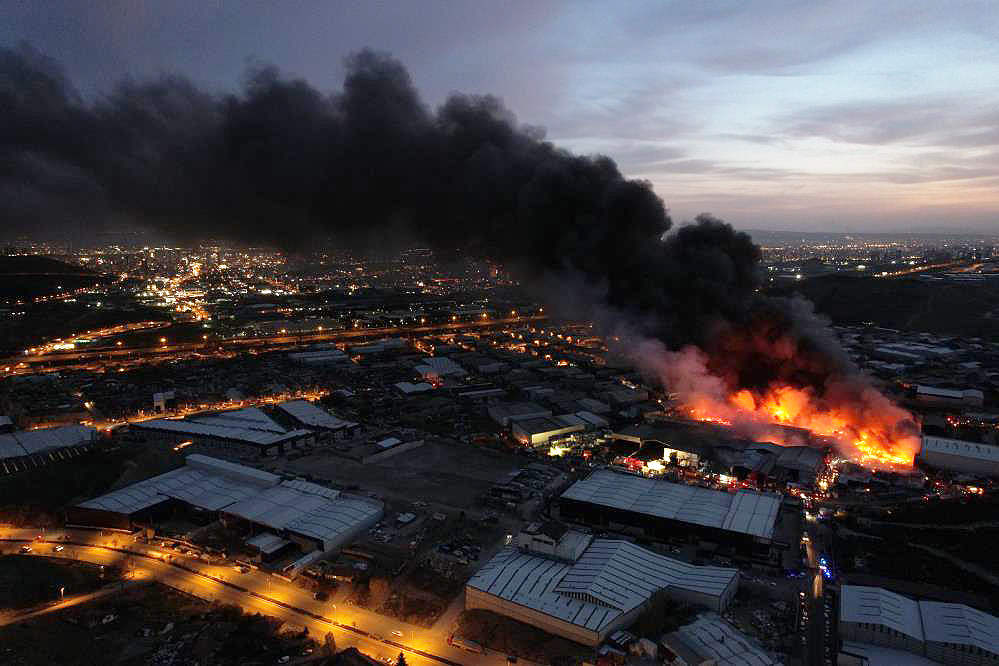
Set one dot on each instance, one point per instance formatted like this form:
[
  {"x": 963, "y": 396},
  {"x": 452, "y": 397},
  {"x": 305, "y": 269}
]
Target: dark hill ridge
[
  {"x": 938, "y": 306},
  {"x": 27, "y": 277}
]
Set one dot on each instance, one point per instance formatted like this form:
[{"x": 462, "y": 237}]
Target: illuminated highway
[
  {"x": 32, "y": 363},
  {"x": 254, "y": 592}
]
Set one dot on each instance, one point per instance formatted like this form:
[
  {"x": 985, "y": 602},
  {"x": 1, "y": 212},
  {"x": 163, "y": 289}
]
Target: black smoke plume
[{"x": 281, "y": 161}]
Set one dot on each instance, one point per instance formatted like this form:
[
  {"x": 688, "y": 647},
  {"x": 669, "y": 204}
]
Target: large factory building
[
  {"x": 582, "y": 588},
  {"x": 945, "y": 633},
  {"x": 248, "y": 431},
  {"x": 745, "y": 520},
  {"x": 960, "y": 456},
  {"x": 315, "y": 517}
]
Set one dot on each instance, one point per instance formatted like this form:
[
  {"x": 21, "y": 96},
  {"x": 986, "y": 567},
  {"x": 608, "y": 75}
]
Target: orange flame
[{"x": 867, "y": 432}]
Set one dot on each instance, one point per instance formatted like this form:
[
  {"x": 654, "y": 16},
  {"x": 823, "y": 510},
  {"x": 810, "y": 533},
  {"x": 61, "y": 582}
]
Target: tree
[
  {"x": 400, "y": 660},
  {"x": 379, "y": 591}
]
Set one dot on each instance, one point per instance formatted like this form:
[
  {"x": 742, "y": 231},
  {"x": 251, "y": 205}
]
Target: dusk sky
[{"x": 846, "y": 116}]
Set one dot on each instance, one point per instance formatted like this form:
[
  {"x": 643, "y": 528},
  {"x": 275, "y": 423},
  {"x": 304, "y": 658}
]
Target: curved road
[{"x": 254, "y": 592}]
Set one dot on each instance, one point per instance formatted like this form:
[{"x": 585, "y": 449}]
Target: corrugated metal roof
[
  {"x": 253, "y": 418},
  {"x": 746, "y": 511},
  {"x": 959, "y": 624},
  {"x": 610, "y": 578},
  {"x": 711, "y": 637},
  {"x": 958, "y": 447},
  {"x": 311, "y": 415},
  {"x": 258, "y": 437},
  {"x": 26, "y": 442},
  {"x": 213, "y": 484},
  {"x": 874, "y": 605}
]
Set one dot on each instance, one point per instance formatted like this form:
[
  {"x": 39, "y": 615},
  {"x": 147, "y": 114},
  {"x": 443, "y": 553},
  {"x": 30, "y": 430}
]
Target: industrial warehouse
[
  {"x": 252, "y": 431},
  {"x": 314, "y": 517},
  {"x": 959, "y": 456},
  {"x": 29, "y": 442},
  {"x": 945, "y": 633},
  {"x": 584, "y": 588},
  {"x": 745, "y": 520}
]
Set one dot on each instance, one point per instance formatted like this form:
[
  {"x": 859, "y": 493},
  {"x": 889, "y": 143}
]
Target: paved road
[
  {"x": 26, "y": 364},
  {"x": 75, "y": 600},
  {"x": 256, "y": 592}
]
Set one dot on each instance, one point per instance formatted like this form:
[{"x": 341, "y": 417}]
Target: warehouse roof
[
  {"x": 309, "y": 414},
  {"x": 958, "y": 447},
  {"x": 711, "y": 637},
  {"x": 440, "y": 365},
  {"x": 305, "y": 508},
  {"x": 746, "y": 511},
  {"x": 610, "y": 578},
  {"x": 26, "y": 442},
  {"x": 874, "y": 605},
  {"x": 208, "y": 486},
  {"x": 959, "y": 624},
  {"x": 236, "y": 433},
  {"x": 261, "y": 497},
  {"x": 253, "y": 418}
]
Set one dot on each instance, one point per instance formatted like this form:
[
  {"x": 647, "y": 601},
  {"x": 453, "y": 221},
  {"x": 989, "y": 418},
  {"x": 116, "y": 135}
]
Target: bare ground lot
[
  {"x": 441, "y": 472},
  {"x": 152, "y": 625}
]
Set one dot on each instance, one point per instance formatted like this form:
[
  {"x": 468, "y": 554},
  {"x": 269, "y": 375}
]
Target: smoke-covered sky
[{"x": 841, "y": 116}]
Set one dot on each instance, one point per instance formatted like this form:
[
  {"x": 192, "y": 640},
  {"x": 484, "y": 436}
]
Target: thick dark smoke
[{"x": 282, "y": 161}]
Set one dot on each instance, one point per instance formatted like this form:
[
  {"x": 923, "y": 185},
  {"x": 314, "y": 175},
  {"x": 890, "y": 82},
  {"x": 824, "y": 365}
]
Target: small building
[{"x": 537, "y": 431}]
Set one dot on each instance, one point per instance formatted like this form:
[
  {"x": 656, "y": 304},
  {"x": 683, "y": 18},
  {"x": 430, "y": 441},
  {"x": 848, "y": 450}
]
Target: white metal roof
[
  {"x": 440, "y": 365},
  {"x": 241, "y": 434},
  {"x": 711, "y": 637},
  {"x": 253, "y": 418},
  {"x": 26, "y": 442},
  {"x": 267, "y": 543},
  {"x": 745, "y": 511},
  {"x": 610, "y": 578},
  {"x": 307, "y": 509},
  {"x": 199, "y": 487},
  {"x": 874, "y": 605},
  {"x": 261, "y": 497},
  {"x": 958, "y": 447},
  {"x": 960, "y": 624},
  {"x": 309, "y": 414},
  {"x": 623, "y": 575}
]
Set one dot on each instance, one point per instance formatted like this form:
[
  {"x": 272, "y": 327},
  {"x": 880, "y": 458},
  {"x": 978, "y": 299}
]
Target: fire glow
[
  {"x": 859, "y": 422},
  {"x": 869, "y": 431}
]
